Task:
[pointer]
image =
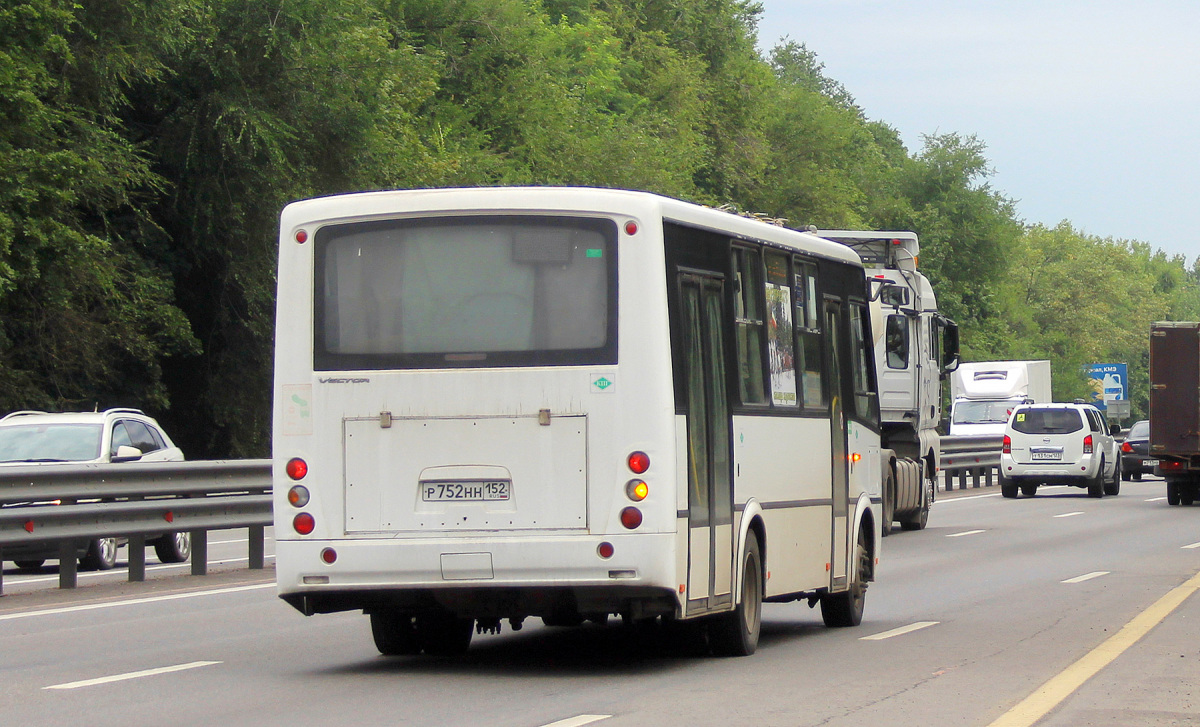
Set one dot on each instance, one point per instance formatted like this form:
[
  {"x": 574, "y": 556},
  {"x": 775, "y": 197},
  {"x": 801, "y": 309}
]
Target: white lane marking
[
  {"x": 1193, "y": 546},
  {"x": 132, "y": 675},
  {"x": 900, "y": 631},
  {"x": 134, "y": 601},
  {"x": 1069, "y": 514},
  {"x": 1156, "y": 499},
  {"x": 150, "y": 568},
  {"x": 578, "y": 721},
  {"x": 1086, "y": 577},
  {"x": 969, "y": 497},
  {"x": 965, "y": 532}
]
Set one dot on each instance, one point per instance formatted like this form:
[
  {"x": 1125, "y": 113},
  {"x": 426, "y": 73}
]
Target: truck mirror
[{"x": 950, "y": 354}]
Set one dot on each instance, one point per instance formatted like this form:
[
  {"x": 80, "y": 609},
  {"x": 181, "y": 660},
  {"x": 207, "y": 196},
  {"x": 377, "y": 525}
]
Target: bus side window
[
  {"x": 808, "y": 335},
  {"x": 748, "y": 324}
]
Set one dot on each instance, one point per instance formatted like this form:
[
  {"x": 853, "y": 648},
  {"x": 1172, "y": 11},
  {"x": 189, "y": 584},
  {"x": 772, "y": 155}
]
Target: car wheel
[
  {"x": 1008, "y": 488},
  {"x": 1029, "y": 490},
  {"x": 30, "y": 564},
  {"x": 736, "y": 633},
  {"x": 846, "y": 609},
  {"x": 173, "y": 547},
  {"x": 101, "y": 554},
  {"x": 1095, "y": 485},
  {"x": 1137, "y": 476},
  {"x": 1113, "y": 487}
]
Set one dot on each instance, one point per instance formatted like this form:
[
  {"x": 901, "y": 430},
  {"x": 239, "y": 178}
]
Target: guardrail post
[
  {"x": 258, "y": 546},
  {"x": 199, "y": 552},
  {"x": 68, "y": 564},
  {"x": 137, "y": 558}
]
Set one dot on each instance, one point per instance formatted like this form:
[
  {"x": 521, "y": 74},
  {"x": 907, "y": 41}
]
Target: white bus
[{"x": 568, "y": 403}]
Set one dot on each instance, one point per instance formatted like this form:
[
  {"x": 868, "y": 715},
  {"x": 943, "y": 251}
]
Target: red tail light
[
  {"x": 639, "y": 462},
  {"x": 631, "y": 517},
  {"x": 1007, "y": 448},
  {"x": 304, "y": 523},
  {"x": 1087, "y": 444},
  {"x": 1170, "y": 464},
  {"x": 296, "y": 468},
  {"x": 1125, "y": 447}
]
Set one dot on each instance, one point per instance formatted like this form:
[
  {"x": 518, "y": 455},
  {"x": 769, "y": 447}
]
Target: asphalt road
[{"x": 994, "y": 600}]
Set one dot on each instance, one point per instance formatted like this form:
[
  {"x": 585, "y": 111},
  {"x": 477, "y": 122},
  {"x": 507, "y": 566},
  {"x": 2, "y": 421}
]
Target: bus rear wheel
[
  {"x": 443, "y": 633},
  {"x": 394, "y": 633},
  {"x": 736, "y": 633}
]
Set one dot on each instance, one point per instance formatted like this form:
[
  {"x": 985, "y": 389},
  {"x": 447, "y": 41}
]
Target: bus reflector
[
  {"x": 296, "y": 468},
  {"x": 329, "y": 555},
  {"x": 639, "y": 462},
  {"x": 304, "y": 523},
  {"x": 631, "y": 517},
  {"x": 631, "y": 228},
  {"x": 298, "y": 496},
  {"x": 301, "y": 236},
  {"x": 637, "y": 490},
  {"x": 605, "y": 550}
]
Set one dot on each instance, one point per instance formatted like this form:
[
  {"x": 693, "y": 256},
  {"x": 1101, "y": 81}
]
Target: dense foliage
[{"x": 146, "y": 148}]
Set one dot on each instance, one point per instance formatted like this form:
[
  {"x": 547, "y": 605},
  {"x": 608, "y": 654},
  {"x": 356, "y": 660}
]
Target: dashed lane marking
[
  {"x": 132, "y": 675},
  {"x": 1069, "y": 514},
  {"x": 900, "y": 631},
  {"x": 965, "y": 532},
  {"x": 1086, "y": 577},
  {"x": 578, "y": 721}
]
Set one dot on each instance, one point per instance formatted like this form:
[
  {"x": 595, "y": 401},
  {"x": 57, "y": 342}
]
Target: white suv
[
  {"x": 1068, "y": 444},
  {"x": 115, "y": 435}
]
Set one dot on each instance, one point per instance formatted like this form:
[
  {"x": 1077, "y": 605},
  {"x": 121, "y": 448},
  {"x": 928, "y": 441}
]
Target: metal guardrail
[
  {"x": 974, "y": 456},
  {"x": 63, "y": 504}
]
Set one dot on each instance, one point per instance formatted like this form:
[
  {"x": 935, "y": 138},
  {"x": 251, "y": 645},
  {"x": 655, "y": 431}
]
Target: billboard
[{"x": 1110, "y": 382}]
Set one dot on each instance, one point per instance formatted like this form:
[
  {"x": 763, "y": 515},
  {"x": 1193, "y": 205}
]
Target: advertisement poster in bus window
[{"x": 781, "y": 351}]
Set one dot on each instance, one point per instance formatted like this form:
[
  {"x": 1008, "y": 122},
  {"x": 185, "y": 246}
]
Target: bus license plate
[
  {"x": 1050, "y": 455},
  {"x": 466, "y": 491}
]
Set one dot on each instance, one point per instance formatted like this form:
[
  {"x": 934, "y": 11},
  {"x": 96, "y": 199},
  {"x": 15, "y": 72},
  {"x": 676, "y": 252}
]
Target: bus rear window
[{"x": 465, "y": 292}]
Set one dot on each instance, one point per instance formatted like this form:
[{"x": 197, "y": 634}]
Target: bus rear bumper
[{"x": 482, "y": 578}]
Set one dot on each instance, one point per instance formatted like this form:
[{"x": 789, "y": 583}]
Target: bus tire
[
  {"x": 443, "y": 633},
  {"x": 736, "y": 633},
  {"x": 394, "y": 633},
  {"x": 846, "y": 608}
]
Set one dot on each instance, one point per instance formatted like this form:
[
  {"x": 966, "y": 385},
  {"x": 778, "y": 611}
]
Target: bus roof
[{"x": 381, "y": 204}]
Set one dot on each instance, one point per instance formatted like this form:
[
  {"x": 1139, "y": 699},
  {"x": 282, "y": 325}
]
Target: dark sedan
[{"x": 1135, "y": 452}]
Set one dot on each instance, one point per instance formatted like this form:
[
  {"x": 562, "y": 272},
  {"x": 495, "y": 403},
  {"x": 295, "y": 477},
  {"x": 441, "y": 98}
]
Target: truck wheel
[
  {"x": 1187, "y": 495},
  {"x": 1172, "y": 493},
  {"x": 919, "y": 519},
  {"x": 736, "y": 633},
  {"x": 889, "y": 501}
]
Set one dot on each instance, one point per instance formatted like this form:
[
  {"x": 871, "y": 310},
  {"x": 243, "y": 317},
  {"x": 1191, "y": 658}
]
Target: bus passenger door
[
  {"x": 836, "y": 360},
  {"x": 710, "y": 492}
]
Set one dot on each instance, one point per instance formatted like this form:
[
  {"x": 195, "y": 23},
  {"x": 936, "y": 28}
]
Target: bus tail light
[
  {"x": 298, "y": 496},
  {"x": 1087, "y": 444},
  {"x": 304, "y": 523},
  {"x": 631, "y": 517},
  {"x": 637, "y": 490},
  {"x": 329, "y": 556},
  {"x": 639, "y": 462},
  {"x": 605, "y": 550},
  {"x": 296, "y": 468},
  {"x": 1006, "y": 448}
]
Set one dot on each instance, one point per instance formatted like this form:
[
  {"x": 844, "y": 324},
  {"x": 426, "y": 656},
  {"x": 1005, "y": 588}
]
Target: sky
[{"x": 1090, "y": 109}]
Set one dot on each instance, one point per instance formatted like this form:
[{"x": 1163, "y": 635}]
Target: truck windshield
[
  {"x": 465, "y": 292},
  {"x": 982, "y": 412}
]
